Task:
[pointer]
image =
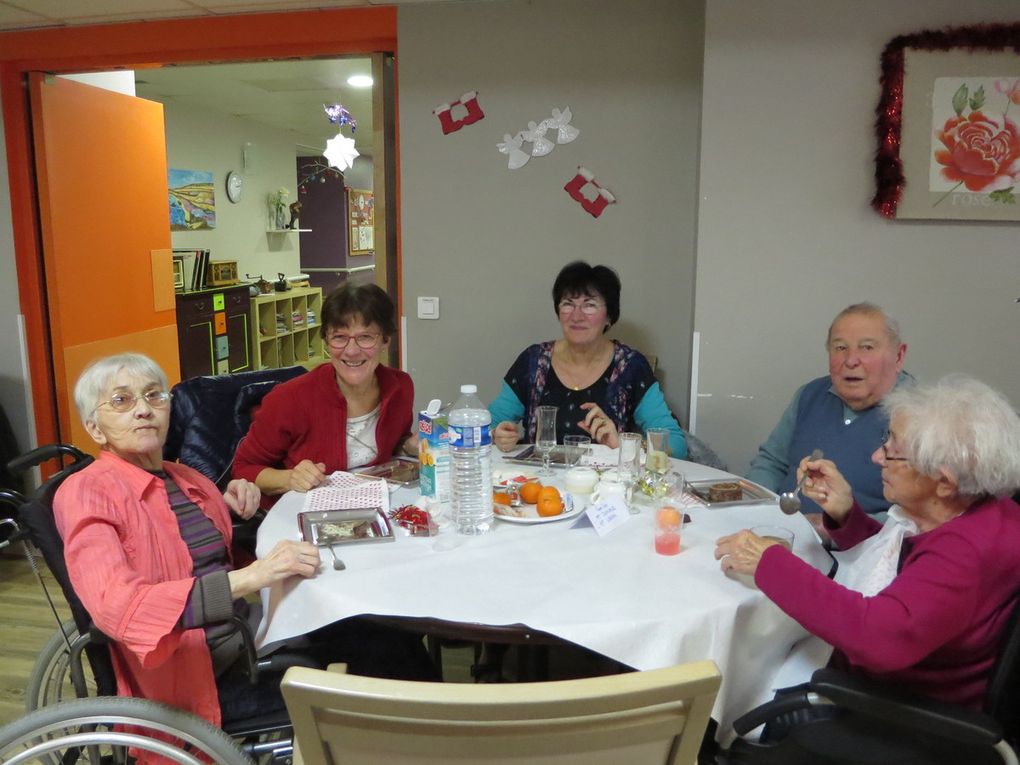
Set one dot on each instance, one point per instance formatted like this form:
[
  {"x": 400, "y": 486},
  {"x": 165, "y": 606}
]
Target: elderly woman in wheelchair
[
  {"x": 147, "y": 546},
  {"x": 941, "y": 577}
]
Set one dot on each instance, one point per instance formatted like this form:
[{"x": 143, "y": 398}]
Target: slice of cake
[{"x": 728, "y": 491}]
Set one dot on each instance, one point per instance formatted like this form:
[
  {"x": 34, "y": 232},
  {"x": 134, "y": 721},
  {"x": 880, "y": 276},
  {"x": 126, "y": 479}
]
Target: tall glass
[
  {"x": 657, "y": 456},
  {"x": 630, "y": 457},
  {"x": 545, "y": 435}
]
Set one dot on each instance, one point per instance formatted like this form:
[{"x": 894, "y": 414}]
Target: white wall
[
  {"x": 14, "y": 388},
  {"x": 198, "y": 140},
  {"x": 785, "y": 234},
  {"x": 489, "y": 241}
]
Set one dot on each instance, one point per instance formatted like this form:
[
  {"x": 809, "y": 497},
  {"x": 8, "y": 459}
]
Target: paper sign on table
[{"x": 604, "y": 516}]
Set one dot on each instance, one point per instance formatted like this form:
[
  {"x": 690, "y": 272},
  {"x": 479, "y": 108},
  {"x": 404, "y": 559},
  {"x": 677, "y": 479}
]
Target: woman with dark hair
[
  {"x": 351, "y": 412},
  {"x": 601, "y": 386}
]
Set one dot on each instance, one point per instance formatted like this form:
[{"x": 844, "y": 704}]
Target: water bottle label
[{"x": 466, "y": 436}]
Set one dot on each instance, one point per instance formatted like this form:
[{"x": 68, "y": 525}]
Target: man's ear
[{"x": 93, "y": 430}]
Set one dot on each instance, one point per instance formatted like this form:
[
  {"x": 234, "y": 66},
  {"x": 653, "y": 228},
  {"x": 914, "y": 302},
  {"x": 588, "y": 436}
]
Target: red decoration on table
[
  {"x": 415, "y": 520},
  {"x": 445, "y": 113},
  {"x": 888, "y": 128},
  {"x": 602, "y": 199}
]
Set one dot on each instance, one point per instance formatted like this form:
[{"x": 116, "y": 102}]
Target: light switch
[{"x": 428, "y": 308}]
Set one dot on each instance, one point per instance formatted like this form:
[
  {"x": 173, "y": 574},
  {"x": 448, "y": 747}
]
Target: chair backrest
[
  {"x": 636, "y": 718},
  {"x": 209, "y": 415}
]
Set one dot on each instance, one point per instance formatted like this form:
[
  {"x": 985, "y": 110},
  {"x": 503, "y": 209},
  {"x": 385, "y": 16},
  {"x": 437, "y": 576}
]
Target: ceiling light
[{"x": 360, "y": 81}]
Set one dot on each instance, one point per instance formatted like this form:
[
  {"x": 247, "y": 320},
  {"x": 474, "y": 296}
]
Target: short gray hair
[
  {"x": 892, "y": 327},
  {"x": 963, "y": 426},
  {"x": 95, "y": 378}
]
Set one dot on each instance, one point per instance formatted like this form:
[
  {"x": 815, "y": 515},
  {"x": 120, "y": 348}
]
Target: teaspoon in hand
[{"x": 789, "y": 501}]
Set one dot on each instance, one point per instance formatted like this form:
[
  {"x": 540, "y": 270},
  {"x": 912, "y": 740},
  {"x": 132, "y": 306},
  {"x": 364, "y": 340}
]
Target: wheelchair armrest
[
  {"x": 42, "y": 454},
  {"x": 939, "y": 718},
  {"x": 760, "y": 715}
]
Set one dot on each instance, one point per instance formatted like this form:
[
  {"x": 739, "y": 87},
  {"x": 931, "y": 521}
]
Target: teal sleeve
[
  {"x": 653, "y": 412},
  {"x": 507, "y": 407},
  {"x": 770, "y": 466}
]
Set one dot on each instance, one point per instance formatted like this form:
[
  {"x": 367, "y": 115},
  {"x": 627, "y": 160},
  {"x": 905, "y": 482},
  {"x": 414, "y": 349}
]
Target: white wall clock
[{"x": 235, "y": 186}]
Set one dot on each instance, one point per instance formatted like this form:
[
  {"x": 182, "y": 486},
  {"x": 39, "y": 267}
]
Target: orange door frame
[{"x": 144, "y": 45}]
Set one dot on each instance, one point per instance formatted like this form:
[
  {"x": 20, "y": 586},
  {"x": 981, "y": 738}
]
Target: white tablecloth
[{"x": 614, "y": 594}]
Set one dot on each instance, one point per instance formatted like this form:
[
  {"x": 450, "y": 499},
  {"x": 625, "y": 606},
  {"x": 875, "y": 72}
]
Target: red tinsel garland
[{"x": 888, "y": 166}]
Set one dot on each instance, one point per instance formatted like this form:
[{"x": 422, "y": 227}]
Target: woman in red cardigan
[{"x": 345, "y": 414}]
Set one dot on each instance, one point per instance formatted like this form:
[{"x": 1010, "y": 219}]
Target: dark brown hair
[
  {"x": 578, "y": 279},
  {"x": 349, "y": 302}
]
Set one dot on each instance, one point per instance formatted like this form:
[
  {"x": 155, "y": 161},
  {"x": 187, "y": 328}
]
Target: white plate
[{"x": 532, "y": 516}]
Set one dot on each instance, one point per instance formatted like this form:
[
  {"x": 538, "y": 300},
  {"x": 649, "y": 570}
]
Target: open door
[{"x": 105, "y": 223}]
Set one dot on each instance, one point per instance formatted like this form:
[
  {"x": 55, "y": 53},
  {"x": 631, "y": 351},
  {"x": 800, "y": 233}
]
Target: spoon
[
  {"x": 789, "y": 501},
  {"x": 338, "y": 565}
]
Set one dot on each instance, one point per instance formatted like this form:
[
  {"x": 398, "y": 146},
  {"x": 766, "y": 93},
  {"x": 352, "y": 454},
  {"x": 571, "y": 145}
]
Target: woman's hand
[
  {"x": 506, "y": 435},
  {"x": 826, "y": 486},
  {"x": 599, "y": 426},
  {"x": 288, "y": 558},
  {"x": 410, "y": 446},
  {"x": 306, "y": 475},
  {"x": 741, "y": 552},
  {"x": 242, "y": 497}
]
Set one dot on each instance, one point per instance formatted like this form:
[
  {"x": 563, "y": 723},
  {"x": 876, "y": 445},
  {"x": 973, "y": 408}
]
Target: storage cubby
[{"x": 286, "y": 328}]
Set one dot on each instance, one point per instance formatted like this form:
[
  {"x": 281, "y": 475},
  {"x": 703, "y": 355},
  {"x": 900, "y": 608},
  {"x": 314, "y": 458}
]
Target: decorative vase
[{"x": 281, "y": 217}]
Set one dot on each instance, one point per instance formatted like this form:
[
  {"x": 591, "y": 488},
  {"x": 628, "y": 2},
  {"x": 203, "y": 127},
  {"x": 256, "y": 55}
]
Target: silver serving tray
[
  {"x": 402, "y": 471},
  {"x": 340, "y": 527},
  {"x": 753, "y": 494},
  {"x": 531, "y": 456}
]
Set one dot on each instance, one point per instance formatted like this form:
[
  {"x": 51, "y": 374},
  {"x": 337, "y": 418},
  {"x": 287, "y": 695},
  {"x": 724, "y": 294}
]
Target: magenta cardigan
[
  {"x": 306, "y": 418},
  {"x": 936, "y": 629}
]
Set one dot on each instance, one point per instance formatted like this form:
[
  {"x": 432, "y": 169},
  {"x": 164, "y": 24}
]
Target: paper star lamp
[{"x": 340, "y": 152}]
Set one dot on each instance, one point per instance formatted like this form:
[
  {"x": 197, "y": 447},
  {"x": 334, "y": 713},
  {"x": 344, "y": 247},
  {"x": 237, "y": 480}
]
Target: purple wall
[{"x": 324, "y": 211}]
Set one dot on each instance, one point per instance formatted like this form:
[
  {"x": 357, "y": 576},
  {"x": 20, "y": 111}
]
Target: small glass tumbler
[
  {"x": 630, "y": 457},
  {"x": 575, "y": 448},
  {"x": 669, "y": 521}
]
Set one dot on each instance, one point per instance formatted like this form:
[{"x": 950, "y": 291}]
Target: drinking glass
[
  {"x": 630, "y": 457},
  {"x": 575, "y": 448},
  {"x": 657, "y": 457},
  {"x": 545, "y": 435}
]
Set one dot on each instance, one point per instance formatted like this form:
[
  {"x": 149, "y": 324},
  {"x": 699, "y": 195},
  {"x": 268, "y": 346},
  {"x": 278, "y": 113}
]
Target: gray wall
[
  {"x": 489, "y": 241},
  {"x": 786, "y": 237}
]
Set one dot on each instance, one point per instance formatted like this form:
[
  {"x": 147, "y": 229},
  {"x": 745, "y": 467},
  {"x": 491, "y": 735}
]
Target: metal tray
[
  {"x": 399, "y": 472},
  {"x": 531, "y": 456},
  {"x": 340, "y": 527},
  {"x": 753, "y": 493}
]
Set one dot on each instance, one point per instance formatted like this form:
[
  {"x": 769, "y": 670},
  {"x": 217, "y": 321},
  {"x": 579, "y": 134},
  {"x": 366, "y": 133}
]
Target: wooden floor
[{"x": 26, "y": 623}]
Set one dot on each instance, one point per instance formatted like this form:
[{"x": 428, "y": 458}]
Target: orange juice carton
[{"x": 434, "y": 451}]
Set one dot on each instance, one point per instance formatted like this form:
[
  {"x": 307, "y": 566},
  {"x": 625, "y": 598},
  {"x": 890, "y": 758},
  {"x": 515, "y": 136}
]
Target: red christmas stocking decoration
[
  {"x": 602, "y": 199},
  {"x": 445, "y": 113}
]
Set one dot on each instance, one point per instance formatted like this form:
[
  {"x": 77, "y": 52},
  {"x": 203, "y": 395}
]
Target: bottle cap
[{"x": 468, "y": 388}]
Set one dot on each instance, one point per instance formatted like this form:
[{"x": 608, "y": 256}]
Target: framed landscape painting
[{"x": 192, "y": 200}]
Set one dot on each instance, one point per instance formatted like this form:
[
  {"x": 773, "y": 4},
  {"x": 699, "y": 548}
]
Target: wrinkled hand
[
  {"x": 506, "y": 435},
  {"x": 242, "y": 497},
  {"x": 410, "y": 446},
  {"x": 288, "y": 558},
  {"x": 741, "y": 552},
  {"x": 599, "y": 426},
  {"x": 306, "y": 475},
  {"x": 826, "y": 486}
]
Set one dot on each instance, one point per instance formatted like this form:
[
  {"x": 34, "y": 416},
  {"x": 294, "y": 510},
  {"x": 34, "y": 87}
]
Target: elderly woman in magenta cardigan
[
  {"x": 931, "y": 619},
  {"x": 351, "y": 412}
]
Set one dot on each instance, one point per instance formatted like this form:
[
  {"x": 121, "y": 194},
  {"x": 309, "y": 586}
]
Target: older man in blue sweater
[{"x": 839, "y": 414}]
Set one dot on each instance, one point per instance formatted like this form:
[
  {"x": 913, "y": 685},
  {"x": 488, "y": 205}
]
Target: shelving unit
[
  {"x": 288, "y": 231},
  {"x": 285, "y": 328}
]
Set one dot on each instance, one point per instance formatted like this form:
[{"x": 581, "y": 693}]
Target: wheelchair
[{"x": 72, "y": 688}]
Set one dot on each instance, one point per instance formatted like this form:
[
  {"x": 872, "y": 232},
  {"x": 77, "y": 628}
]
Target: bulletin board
[{"x": 361, "y": 208}]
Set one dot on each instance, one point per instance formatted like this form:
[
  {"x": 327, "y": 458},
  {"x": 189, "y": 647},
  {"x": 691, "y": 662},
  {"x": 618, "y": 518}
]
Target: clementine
[
  {"x": 549, "y": 502},
  {"x": 501, "y": 498},
  {"x": 530, "y": 491},
  {"x": 669, "y": 518}
]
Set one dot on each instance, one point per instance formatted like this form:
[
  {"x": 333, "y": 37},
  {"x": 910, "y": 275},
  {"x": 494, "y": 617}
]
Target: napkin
[{"x": 348, "y": 491}]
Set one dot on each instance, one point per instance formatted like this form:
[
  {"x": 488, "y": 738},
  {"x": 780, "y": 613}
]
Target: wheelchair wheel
[
  {"x": 82, "y": 731},
  {"x": 50, "y": 680}
]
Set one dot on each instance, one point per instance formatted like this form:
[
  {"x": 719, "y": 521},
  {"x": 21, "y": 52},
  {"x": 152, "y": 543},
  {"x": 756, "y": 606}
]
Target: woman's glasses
[
  {"x": 125, "y": 402},
  {"x": 366, "y": 341},
  {"x": 886, "y": 437},
  {"x": 588, "y": 307}
]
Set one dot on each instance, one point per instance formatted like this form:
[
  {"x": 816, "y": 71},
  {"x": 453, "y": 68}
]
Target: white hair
[
  {"x": 961, "y": 425},
  {"x": 96, "y": 377},
  {"x": 892, "y": 327}
]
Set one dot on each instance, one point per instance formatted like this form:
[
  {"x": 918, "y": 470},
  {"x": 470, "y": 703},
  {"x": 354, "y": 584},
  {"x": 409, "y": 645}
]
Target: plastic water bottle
[{"x": 470, "y": 469}]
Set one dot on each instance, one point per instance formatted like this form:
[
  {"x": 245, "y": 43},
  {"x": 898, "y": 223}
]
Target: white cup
[
  {"x": 580, "y": 482},
  {"x": 609, "y": 487}
]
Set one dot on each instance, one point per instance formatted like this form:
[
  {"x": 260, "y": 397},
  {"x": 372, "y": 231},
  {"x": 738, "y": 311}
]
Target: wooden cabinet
[
  {"x": 285, "y": 328},
  {"x": 213, "y": 331}
]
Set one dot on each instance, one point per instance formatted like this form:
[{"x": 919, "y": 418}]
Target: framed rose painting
[{"x": 949, "y": 126}]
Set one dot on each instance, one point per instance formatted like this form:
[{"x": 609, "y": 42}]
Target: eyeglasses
[
  {"x": 125, "y": 402},
  {"x": 885, "y": 449},
  {"x": 588, "y": 307},
  {"x": 366, "y": 341}
]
